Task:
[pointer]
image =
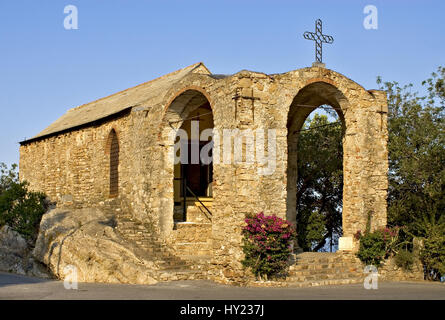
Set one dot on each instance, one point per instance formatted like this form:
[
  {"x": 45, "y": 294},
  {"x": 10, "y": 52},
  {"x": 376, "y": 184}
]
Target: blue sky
[{"x": 45, "y": 69}]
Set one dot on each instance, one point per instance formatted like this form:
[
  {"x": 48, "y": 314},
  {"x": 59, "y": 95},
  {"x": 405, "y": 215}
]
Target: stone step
[
  {"x": 334, "y": 273},
  {"x": 153, "y": 249},
  {"x": 324, "y": 276},
  {"x": 323, "y": 267},
  {"x": 323, "y": 258},
  {"x": 192, "y": 232},
  {"x": 137, "y": 235},
  {"x": 133, "y": 232},
  {"x": 314, "y": 268},
  {"x": 183, "y": 265},
  {"x": 188, "y": 263},
  {"x": 130, "y": 226},
  {"x": 195, "y": 211},
  {"x": 181, "y": 274},
  {"x": 197, "y": 259},
  {"x": 172, "y": 264},
  {"x": 318, "y": 261},
  {"x": 148, "y": 242},
  {"x": 193, "y": 248},
  {"x": 324, "y": 282},
  {"x": 198, "y": 214},
  {"x": 321, "y": 275}
]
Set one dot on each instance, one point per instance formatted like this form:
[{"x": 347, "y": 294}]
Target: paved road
[{"x": 20, "y": 287}]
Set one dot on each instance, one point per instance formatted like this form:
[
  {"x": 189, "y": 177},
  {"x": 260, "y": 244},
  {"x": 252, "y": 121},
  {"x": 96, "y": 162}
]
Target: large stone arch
[
  {"x": 182, "y": 103},
  {"x": 364, "y": 145},
  {"x": 308, "y": 99}
]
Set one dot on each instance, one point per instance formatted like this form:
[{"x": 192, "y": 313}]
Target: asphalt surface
[{"x": 14, "y": 286}]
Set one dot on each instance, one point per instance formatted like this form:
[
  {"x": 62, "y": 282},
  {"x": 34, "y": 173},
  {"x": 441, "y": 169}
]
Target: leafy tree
[
  {"x": 7, "y": 176},
  {"x": 416, "y": 150},
  {"x": 416, "y": 196},
  {"x": 20, "y": 208},
  {"x": 320, "y": 183}
]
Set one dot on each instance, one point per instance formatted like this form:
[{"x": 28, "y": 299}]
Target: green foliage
[
  {"x": 372, "y": 248},
  {"x": 431, "y": 229},
  {"x": 20, "y": 208},
  {"x": 416, "y": 151},
  {"x": 432, "y": 256},
  {"x": 267, "y": 245},
  {"x": 377, "y": 245},
  {"x": 316, "y": 228},
  {"x": 416, "y": 197},
  {"x": 320, "y": 182},
  {"x": 7, "y": 176},
  {"x": 404, "y": 259}
]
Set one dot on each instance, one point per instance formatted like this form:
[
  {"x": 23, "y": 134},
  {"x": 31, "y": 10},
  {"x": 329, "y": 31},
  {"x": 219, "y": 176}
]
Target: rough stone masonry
[{"x": 113, "y": 154}]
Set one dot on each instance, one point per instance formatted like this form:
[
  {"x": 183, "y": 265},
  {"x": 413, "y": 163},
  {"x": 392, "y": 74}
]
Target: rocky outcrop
[
  {"x": 86, "y": 239},
  {"x": 16, "y": 255}
]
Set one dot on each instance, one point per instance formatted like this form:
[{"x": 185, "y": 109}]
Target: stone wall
[
  {"x": 391, "y": 272},
  {"x": 72, "y": 168}
]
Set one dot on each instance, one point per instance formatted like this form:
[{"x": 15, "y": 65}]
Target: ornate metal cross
[{"x": 319, "y": 38}]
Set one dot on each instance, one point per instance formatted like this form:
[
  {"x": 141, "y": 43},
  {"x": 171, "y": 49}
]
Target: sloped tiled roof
[{"x": 151, "y": 91}]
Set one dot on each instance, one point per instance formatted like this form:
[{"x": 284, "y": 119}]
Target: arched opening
[
  {"x": 190, "y": 116},
  {"x": 113, "y": 145},
  {"x": 316, "y": 130}
]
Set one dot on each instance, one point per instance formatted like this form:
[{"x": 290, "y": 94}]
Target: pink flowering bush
[{"x": 267, "y": 244}]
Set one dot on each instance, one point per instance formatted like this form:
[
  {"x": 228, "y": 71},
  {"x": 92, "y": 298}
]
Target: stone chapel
[{"x": 114, "y": 154}]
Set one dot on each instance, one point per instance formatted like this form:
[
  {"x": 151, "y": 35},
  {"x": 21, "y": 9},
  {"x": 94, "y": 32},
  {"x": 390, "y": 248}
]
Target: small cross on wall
[{"x": 319, "y": 39}]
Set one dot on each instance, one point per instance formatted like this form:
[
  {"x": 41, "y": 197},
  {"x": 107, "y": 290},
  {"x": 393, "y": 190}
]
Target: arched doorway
[
  {"x": 188, "y": 127},
  {"x": 193, "y": 175},
  {"x": 314, "y": 202}
]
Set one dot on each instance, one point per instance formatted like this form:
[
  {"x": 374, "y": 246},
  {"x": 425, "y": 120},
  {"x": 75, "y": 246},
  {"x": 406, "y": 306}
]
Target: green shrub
[
  {"x": 267, "y": 244},
  {"x": 377, "y": 245},
  {"x": 432, "y": 256},
  {"x": 404, "y": 259},
  {"x": 430, "y": 228},
  {"x": 22, "y": 209},
  {"x": 372, "y": 248}
]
